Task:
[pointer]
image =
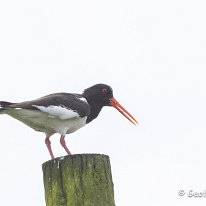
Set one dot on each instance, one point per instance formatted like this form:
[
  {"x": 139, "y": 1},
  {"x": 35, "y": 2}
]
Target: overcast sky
[{"x": 152, "y": 53}]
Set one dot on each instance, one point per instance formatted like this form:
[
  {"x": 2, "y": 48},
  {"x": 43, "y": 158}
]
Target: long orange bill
[{"x": 122, "y": 110}]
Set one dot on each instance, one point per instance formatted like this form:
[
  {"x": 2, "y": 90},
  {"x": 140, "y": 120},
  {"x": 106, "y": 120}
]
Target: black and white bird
[{"x": 63, "y": 113}]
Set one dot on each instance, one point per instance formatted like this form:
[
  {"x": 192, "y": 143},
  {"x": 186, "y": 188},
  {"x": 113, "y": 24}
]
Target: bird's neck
[
  {"x": 94, "y": 111},
  {"x": 95, "y": 106}
]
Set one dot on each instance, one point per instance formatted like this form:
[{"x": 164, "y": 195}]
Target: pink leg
[
  {"x": 48, "y": 144},
  {"x": 63, "y": 143}
]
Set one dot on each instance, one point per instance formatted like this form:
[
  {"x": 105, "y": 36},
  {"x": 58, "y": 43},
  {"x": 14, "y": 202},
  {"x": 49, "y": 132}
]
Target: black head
[{"x": 99, "y": 93}]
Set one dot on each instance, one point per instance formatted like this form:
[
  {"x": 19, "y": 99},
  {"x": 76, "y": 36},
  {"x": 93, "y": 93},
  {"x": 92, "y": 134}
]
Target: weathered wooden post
[{"x": 78, "y": 180}]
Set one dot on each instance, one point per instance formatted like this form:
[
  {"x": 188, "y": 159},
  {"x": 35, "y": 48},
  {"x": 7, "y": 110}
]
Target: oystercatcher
[{"x": 64, "y": 113}]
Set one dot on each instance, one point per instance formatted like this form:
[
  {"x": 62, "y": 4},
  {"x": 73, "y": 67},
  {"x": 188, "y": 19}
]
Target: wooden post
[{"x": 78, "y": 180}]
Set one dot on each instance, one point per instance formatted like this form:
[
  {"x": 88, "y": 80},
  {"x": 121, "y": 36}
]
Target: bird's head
[{"x": 102, "y": 95}]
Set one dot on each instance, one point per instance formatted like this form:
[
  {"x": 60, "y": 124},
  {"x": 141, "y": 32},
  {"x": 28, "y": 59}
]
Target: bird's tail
[{"x": 4, "y": 105}]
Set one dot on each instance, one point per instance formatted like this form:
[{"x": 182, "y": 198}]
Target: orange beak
[{"x": 123, "y": 111}]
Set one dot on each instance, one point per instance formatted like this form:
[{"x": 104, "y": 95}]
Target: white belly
[{"x": 43, "y": 122}]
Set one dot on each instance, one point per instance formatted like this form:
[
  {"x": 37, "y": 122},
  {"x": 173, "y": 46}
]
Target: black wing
[{"x": 74, "y": 102}]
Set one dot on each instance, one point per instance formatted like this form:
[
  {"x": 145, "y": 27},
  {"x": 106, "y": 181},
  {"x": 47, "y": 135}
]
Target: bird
[{"x": 64, "y": 113}]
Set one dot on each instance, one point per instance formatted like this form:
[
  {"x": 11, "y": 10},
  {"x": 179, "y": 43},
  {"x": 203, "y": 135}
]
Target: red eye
[{"x": 104, "y": 90}]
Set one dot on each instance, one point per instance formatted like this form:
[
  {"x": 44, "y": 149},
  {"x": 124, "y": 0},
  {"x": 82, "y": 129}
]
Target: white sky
[{"x": 153, "y": 55}]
